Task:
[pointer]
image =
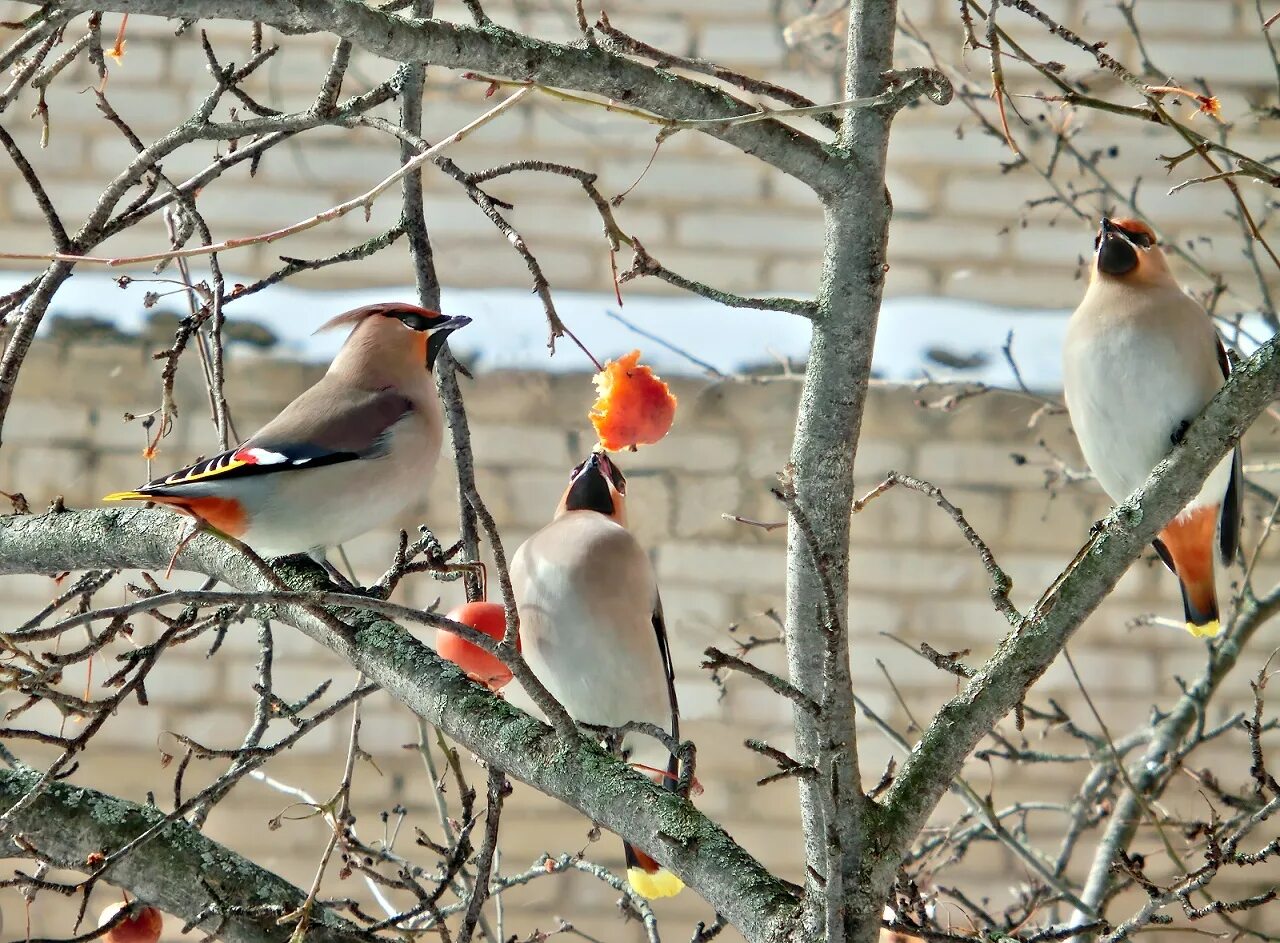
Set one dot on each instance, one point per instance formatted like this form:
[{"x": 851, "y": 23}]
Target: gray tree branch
[
  {"x": 578, "y": 773},
  {"x": 494, "y": 50},
  {"x": 822, "y": 462},
  {"x": 182, "y": 872}
]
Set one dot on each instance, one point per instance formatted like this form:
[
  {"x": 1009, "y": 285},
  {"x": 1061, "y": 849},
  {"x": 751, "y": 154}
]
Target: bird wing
[
  {"x": 664, "y": 646},
  {"x": 1232, "y": 506},
  {"x": 326, "y": 425}
]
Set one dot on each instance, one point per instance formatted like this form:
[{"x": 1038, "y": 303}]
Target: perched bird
[
  {"x": 592, "y": 630},
  {"x": 1141, "y": 360},
  {"x": 346, "y": 455}
]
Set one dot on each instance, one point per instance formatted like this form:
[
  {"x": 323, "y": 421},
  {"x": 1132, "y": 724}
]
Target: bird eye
[
  {"x": 1138, "y": 238},
  {"x": 415, "y": 321},
  {"x": 615, "y": 475}
]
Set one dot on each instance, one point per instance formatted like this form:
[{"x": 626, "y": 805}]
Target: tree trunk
[{"x": 834, "y": 809}]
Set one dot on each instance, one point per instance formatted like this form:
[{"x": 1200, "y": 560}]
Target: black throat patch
[
  {"x": 1116, "y": 256},
  {"x": 590, "y": 492},
  {"x": 435, "y": 344}
]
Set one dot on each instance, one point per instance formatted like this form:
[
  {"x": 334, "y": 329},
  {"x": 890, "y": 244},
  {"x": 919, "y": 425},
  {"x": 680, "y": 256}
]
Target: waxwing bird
[
  {"x": 346, "y": 455},
  {"x": 1141, "y": 360},
  {"x": 592, "y": 629}
]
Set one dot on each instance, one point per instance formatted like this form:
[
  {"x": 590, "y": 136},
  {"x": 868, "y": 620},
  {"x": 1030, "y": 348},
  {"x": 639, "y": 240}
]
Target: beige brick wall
[
  {"x": 912, "y": 577},
  {"x": 962, "y": 226}
]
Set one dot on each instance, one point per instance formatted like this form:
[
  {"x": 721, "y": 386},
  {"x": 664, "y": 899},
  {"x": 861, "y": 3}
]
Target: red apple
[
  {"x": 491, "y": 619},
  {"x": 142, "y": 927},
  {"x": 634, "y": 406}
]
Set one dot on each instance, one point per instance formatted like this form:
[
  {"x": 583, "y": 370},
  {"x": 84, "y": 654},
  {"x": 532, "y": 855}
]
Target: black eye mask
[
  {"x": 1117, "y": 247},
  {"x": 615, "y": 475},
  {"x": 415, "y": 321}
]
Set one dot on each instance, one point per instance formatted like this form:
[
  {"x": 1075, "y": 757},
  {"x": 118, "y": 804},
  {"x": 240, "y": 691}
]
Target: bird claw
[
  {"x": 340, "y": 578},
  {"x": 336, "y": 576}
]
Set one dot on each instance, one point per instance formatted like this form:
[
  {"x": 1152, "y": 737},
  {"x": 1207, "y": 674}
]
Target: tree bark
[
  {"x": 15, "y": 351},
  {"x": 176, "y": 870},
  {"x": 822, "y": 458}
]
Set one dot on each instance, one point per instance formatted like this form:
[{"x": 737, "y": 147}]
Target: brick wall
[
  {"x": 913, "y": 578},
  {"x": 961, "y": 228}
]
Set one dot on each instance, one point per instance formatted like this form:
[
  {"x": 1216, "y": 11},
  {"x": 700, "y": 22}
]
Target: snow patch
[{"x": 943, "y": 338}]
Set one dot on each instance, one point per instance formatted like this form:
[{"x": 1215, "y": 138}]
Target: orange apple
[
  {"x": 634, "y": 407},
  {"x": 142, "y": 927},
  {"x": 489, "y": 618}
]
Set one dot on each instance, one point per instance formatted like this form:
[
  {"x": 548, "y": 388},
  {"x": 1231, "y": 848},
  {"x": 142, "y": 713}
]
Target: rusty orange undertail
[
  {"x": 1189, "y": 543},
  {"x": 223, "y": 514}
]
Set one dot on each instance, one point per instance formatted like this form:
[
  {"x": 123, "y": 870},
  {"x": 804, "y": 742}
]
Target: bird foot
[
  {"x": 337, "y": 576},
  {"x": 194, "y": 527},
  {"x": 341, "y": 579}
]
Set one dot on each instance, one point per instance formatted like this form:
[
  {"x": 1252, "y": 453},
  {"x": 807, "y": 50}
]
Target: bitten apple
[{"x": 634, "y": 407}]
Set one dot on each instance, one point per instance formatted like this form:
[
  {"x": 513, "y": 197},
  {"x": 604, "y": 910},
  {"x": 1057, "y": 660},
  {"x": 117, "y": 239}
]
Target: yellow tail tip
[
  {"x": 125, "y": 496},
  {"x": 661, "y": 883},
  {"x": 1208, "y": 630}
]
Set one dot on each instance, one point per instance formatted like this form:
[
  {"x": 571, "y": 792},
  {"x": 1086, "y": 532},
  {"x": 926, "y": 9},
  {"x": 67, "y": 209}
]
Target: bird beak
[
  {"x": 449, "y": 325},
  {"x": 593, "y": 467},
  {"x": 597, "y": 486},
  {"x": 1106, "y": 226},
  {"x": 438, "y": 333}
]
